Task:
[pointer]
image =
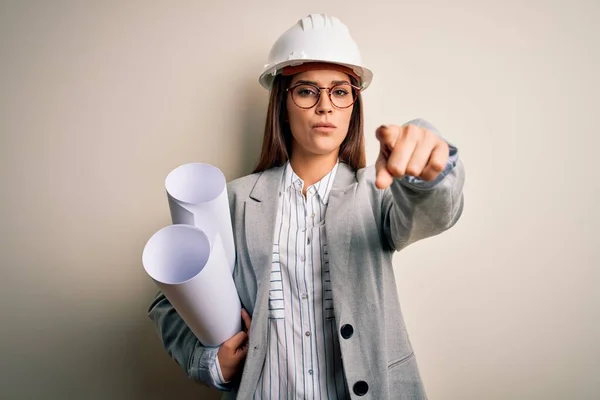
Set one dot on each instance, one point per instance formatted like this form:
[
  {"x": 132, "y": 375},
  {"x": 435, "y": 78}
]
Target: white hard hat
[{"x": 315, "y": 38}]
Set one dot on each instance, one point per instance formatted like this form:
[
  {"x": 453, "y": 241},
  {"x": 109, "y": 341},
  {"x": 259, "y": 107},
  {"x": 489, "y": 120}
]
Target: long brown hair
[{"x": 277, "y": 140}]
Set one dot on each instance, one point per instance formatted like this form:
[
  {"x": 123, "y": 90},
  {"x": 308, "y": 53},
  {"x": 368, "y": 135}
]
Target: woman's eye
[
  {"x": 306, "y": 92},
  {"x": 340, "y": 92}
]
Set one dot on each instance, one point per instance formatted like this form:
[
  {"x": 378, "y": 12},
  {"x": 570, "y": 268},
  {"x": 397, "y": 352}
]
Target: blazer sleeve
[
  {"x": 198, "y": 362},
  {"x": 414, "y": 209}
]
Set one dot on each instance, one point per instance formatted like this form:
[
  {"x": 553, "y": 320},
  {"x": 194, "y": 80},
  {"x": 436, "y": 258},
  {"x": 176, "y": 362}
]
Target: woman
[{"x": 315, "y": 232}]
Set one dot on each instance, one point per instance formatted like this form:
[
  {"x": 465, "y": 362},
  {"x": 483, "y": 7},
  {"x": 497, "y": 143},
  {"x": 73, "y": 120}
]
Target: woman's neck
[{"x": 312, "y": 168}]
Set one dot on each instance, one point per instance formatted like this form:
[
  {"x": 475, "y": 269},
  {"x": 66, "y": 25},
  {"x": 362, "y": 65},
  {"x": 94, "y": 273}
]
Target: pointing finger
[{"x": 387, "y": 137}]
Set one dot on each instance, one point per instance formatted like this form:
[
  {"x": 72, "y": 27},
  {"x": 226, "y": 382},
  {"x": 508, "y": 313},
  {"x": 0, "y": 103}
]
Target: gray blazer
[{"x": 365, "y": 226}]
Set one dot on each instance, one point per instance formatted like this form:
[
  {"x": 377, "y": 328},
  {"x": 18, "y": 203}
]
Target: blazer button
[
  {"x": 347, "y": 331},
  {"x": 360, "y": 388}
]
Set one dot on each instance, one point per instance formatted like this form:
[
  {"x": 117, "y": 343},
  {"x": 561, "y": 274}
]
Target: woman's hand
[
  {"x": 409, "y": 150},
  {"x": 233, "y": 351}
]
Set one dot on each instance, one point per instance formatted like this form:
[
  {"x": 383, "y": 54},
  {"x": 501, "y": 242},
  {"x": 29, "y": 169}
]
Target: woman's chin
[
  {"x": 324, "y": 151},
  {"x": 320, "y": 146},
  {"x": 326, "y": 145}
]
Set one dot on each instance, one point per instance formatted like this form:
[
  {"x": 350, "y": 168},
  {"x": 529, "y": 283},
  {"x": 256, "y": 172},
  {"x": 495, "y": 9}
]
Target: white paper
[
  {"x": 197, "y": 194},
  {"x": 190, "y": 270}
]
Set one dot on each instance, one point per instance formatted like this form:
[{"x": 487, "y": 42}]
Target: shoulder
[
  {"x": 241, "y": 187},
  {"x": 347, "y": 175},
  {"x": 365, "y": 178},
  {"x": 366, "y": 175},
  {"x": 370, "y": 194},
  {"x": 257, "y": 185}
]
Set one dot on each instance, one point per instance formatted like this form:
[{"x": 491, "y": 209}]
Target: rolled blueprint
[
  {"x": 197, "y": 194},
  {"x": 188, "y": 267}
]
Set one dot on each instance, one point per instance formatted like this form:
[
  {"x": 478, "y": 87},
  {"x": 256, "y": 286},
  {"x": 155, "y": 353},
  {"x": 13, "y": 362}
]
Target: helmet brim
[{"x": 266, "y": 78}]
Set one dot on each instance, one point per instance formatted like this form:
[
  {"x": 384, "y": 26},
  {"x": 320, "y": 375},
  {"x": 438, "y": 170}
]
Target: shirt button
[
  {"x": 310, "y": 371},
  {"x": 302, "y": 258},
  {"x": 307, "y": 333},
  {"x": 312, "y": 215},
  {"x": 304, "y": 296}
]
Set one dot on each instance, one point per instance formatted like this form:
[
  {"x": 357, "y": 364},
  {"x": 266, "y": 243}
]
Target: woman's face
[{"x": 319, "y": 130}]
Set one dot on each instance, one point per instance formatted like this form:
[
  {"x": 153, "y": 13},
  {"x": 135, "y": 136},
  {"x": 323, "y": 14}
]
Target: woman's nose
[{"x": 324, "y": 104}]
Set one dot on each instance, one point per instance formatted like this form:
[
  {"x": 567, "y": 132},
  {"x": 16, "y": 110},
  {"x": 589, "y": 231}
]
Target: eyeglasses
[{"x": 307, "y": 95}]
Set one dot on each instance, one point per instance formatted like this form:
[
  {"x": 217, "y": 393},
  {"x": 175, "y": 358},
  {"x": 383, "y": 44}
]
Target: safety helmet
[{"x": 315, "y": 38}]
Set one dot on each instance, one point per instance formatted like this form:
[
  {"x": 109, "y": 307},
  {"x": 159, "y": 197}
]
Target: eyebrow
[{"x": 316, "y": 84}]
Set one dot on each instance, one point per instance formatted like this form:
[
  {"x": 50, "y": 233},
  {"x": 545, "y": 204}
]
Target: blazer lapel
[
  {"x": 338, "y": 223},
  {"x": 260, "y": 216}
]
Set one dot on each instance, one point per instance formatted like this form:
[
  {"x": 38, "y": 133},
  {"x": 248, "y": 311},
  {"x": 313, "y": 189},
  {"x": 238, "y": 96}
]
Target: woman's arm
[
  {"x": 199, "y": 363},
  {"x": 414, "y": 209}
]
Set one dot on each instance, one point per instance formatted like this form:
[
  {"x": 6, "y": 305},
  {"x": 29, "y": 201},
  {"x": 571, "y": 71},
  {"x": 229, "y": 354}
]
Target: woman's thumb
[{"x": 383, "y": 178}]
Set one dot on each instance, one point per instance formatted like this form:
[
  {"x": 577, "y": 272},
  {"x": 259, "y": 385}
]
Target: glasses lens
[
  {"x": 306, "y": 96},
  {"x": 342, "y": 96}
]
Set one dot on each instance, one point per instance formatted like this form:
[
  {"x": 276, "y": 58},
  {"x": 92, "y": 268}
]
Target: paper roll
[
  {"x": 197, "y": 195},
  {"x": 190, "y": 270}
]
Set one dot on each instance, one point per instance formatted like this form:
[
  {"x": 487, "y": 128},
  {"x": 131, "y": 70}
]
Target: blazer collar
[{"x": 269, "y": 182}]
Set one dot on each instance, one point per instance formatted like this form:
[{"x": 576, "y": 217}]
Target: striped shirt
[{"x": 303, "y": 356}]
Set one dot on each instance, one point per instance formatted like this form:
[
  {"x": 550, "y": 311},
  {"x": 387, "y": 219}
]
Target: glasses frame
[{"x": 320, "y": 89}]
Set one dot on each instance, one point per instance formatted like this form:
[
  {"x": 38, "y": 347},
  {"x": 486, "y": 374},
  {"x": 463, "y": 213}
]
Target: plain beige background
[{"x": 100, "y": 100}]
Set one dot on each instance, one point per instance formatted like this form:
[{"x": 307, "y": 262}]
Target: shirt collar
[{"x": 323, "y": 187}]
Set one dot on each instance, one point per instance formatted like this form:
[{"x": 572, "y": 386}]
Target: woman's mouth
[{"x": 325, "y": 127}]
